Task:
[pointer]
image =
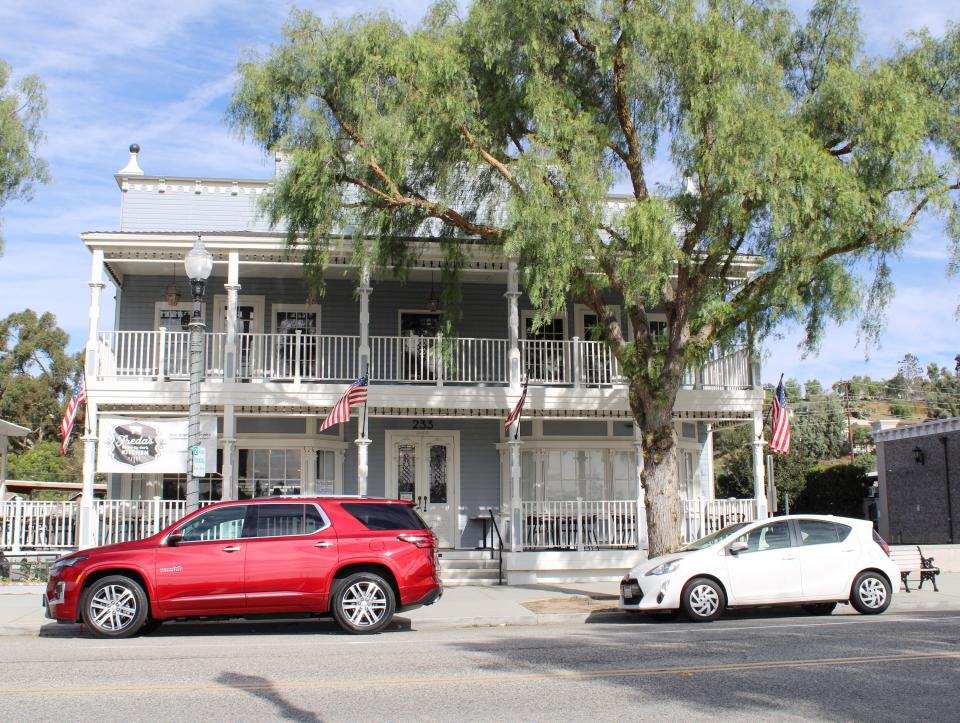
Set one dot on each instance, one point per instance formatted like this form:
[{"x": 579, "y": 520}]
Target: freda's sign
[
  {"x": 136, "y": 444},
  {"x": 151, "y": 445}
]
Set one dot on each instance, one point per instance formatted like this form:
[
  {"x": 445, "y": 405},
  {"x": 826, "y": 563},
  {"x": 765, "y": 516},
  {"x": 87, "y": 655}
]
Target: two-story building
[{"x": 276, "y": 360}]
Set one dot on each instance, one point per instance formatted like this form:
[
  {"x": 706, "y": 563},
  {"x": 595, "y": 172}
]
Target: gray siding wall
[
  {"x": 479, "y": 466},
  {"x": 483, "y": 306},
  {"x": 180, "y": 208},
  {"x": 916, "y": 494}
]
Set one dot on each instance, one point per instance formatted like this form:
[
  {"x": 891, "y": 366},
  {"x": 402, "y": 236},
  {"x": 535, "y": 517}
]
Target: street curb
[{"x": 24, "y": 589}]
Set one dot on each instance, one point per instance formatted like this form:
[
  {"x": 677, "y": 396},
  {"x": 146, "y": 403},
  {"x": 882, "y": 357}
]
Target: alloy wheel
[
  {"x": 113, "y": 607},
  {"x": 364, "y": 603}
]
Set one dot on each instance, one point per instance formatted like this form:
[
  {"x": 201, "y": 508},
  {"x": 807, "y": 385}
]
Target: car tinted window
[
  {"x": 766, "y": 537},
  {"x": 313, "y": 520},
  {"x": 280, "y": 520},
  {"x": 821, "y": 532},
  {"x": 222, "y": 523},
  {"x": 385, "y": 517}
]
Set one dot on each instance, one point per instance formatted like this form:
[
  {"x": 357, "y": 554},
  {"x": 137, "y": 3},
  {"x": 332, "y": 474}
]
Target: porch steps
[{"x": 468, "y": 567}]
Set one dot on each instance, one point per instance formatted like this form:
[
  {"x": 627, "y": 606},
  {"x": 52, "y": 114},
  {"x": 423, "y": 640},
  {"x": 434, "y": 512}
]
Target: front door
[{"x": 424, "y": 469}]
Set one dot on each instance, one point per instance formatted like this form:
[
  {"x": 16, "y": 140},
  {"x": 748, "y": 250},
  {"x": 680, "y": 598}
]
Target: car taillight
[
  {"x": 417, "y": 540},
  {"x": 883, "y": 543}
]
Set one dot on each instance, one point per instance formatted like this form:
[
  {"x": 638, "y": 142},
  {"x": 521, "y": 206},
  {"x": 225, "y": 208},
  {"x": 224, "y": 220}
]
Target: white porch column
[
  {"x": 228, "y": 472},
  {"x": 3, "y": 468},
  {"x": 308, "y": 465},
  {"x": 87, "y": 525},
  {"x": 362, "y": 440},
  {"x": 641, "y": 492},
  {"x": 513, "y": 325},
  {"x": 707, "y": 488},
  {"x": 230, "y": 347},
  {"x": 516, "y": 544},
  {"x": 759, "y": 478}
]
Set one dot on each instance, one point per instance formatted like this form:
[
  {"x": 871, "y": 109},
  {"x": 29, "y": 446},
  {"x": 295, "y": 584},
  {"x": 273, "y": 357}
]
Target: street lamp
[{"x": 199, "y": 265}]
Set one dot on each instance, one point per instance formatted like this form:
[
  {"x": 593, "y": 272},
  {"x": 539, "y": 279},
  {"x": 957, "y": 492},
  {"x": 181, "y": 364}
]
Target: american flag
[
  {"x": 356, "y": 394},
  {"x": 70, "y": 415},
  {"x": 780, "y": 422},
  {"x": 514, "y": 416}
]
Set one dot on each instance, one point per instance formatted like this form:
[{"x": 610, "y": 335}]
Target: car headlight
[
  {"x": 664, "y": 568},
  {"x": 66, "y": 562}
]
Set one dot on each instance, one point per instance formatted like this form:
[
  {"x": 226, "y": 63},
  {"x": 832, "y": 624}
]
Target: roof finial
[{"x": 132, "y": 168}]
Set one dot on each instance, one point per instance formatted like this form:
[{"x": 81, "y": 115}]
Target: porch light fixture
[
  {"x": 171, "y": 294},
  {"x": 199, "y": 266},
  {"x": 433, "y": 303},
  {"x": 918, "y": 455}
]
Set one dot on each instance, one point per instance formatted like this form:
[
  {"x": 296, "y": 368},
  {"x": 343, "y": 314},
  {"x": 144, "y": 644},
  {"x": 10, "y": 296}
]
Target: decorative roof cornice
[{"x": 923, "y": 429}]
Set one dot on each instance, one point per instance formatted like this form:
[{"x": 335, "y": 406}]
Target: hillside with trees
[{"x": 827, "y": 468}]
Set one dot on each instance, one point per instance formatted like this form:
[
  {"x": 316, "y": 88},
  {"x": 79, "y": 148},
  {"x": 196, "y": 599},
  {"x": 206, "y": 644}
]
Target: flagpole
[{"x": 363, "y": 442}]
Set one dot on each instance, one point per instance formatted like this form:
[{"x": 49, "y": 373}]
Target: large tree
[
  {"x": 793, "y": 158},
  {"x": 22, "y": 107}
]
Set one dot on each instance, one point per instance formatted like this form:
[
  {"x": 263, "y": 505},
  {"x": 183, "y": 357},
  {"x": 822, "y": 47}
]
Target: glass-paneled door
[{"x": 423, "y": 470}]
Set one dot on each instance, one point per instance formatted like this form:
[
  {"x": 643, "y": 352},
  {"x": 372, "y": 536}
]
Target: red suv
[{"x": 356, "y": 558}]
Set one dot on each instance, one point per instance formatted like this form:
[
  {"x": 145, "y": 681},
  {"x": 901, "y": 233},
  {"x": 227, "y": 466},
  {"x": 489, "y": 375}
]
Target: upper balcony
[{"x": 160, "y": 356}]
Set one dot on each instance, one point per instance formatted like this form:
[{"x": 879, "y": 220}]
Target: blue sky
[{"x": 161, "y": 73}]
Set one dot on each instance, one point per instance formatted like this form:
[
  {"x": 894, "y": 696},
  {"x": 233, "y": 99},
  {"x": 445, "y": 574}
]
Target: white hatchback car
[{"x": 815, "y": 561}]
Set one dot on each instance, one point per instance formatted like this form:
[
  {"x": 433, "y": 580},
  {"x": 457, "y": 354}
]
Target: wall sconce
[{"x": 918, "y": 455}]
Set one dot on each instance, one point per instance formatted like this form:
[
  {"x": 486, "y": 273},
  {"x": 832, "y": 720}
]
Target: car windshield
[{"x": 713, "y": 539}]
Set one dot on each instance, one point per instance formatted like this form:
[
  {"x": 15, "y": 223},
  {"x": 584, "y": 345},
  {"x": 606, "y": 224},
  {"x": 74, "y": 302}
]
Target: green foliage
[
  {"x": 901, "y": 409},
  {"x": 796, "y": 161},
  {"x": 22, "y": 107},
  {"x": 42, "y": 462},
  {"x": 837, "y": 490},
  {"x": 36, "y": 374}
]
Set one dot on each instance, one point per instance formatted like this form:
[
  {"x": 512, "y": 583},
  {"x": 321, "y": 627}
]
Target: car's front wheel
[
  {"x": 703, "y": 600},
  {"x": 871, "y": 593},
  {"x": 363, "y": 603},
  {"x": 114, "y": 607}
]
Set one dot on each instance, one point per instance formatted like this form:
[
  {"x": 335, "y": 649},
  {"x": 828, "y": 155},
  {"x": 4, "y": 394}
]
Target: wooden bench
[{"x": 911, "y": 560}]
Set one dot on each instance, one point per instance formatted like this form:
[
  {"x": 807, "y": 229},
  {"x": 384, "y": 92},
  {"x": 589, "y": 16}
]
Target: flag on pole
[
  {"x": 514, "y": 416},
  {"x": 70, "y": 415},
  {"x": 356, "y": 394},
  {"x": 780, "y": 422}
]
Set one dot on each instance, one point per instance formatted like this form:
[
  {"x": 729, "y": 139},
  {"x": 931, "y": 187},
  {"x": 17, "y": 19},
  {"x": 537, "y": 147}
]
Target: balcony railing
[
  {"x": 165, "y": 355},
  {"x": 700, "y": 518}
]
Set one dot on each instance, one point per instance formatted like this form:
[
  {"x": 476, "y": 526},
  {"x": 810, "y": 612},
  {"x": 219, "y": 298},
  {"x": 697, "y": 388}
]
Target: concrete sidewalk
[{"x": 21, "y": 612}]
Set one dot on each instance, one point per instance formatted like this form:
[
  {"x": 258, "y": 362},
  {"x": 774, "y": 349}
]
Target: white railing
[
  {"x": 297, "y": 357},
  {"x": 125, "y": 520},
  {"x": 435, "y": 360},
  {"x": 29, "y": 525},
  {"x": 165, "y": 355},
  {"x": 703, "y": 517},
  {"x": 578, "y": 524}
]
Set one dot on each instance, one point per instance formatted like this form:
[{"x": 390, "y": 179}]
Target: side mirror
[
  {"x": 175, "y": 538},
  {"x": 737, "y": 547}
]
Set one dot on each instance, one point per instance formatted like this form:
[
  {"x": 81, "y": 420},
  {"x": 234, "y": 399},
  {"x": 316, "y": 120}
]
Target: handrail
[{"x": 496, "y": 529}]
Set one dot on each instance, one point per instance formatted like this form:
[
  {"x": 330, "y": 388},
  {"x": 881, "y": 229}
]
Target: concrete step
[
  {"x": 473, "y": 582},
  {"x": 469, "y": 564},
  {"x": 469, "y": 574},
  {"x": 465, "y": 554}
]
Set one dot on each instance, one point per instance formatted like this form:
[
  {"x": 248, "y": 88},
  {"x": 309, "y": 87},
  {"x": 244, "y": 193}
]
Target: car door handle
[
  {"x": 323, "y": 543},
  {"x": 789, "y": 557},
  {"x": 232, "y": 548}
]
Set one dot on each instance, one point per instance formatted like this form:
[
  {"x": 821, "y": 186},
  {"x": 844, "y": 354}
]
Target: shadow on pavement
[
  {"x": 195, "y": 628},
  {"x": 264, "y": 689}
]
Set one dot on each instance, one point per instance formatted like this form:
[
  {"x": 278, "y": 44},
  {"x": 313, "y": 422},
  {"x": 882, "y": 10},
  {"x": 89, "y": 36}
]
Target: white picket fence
[
  {"x": 35, "y": 525},
  {"x": 704, "y": 517}
]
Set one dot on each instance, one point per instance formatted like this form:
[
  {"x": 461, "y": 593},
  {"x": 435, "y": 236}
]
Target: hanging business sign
[{"x": 151, "y": 445}]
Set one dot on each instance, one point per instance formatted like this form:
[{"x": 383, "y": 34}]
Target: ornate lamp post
[{"x": 199, "y": 265}]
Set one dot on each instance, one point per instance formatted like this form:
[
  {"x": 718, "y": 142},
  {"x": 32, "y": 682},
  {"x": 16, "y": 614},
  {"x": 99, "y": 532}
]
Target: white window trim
[
  {"x": 531, "y": 313},
  {"x": 580, "y": 309},
  {"x": 401, "y": 312},
  {"x": 309, "y": 308},
  {"x": 183, "y": 306},
  {"x": 220, "y": 302}
]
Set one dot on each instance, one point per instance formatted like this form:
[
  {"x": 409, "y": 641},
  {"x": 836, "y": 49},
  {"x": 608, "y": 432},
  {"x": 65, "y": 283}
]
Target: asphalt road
[{"x": 773, "y": 666}]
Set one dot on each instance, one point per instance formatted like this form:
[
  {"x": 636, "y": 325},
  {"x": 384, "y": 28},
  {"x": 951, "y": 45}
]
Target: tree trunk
[{"x": 661, "y": 489}]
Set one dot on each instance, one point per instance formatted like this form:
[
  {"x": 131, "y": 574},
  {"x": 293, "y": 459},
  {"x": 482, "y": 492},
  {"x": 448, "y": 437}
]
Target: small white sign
[{"x": 199, "y": 461}]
